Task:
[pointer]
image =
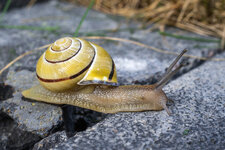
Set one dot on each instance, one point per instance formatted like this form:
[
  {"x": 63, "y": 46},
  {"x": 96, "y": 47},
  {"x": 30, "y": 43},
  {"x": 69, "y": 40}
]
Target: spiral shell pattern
[{"x": 70, "y": 62}]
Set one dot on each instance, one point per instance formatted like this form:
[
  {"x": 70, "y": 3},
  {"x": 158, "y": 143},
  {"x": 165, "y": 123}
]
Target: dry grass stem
[
  {"x": 21, "y": 56},
  {"x": 31, "y": 3},
  {"x": 205, "y": 17}
]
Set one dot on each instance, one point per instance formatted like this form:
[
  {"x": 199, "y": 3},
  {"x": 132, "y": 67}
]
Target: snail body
[
  {"x": 93, "y": 84},
  {"x": 106, "y": 100}
]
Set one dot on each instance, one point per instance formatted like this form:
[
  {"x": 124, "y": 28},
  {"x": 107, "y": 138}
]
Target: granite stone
[
  {"x": 197, "y": 121},
  {"x": 31, "y": 116}
]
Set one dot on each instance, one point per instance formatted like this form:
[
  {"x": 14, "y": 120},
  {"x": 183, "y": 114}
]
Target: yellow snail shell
[{"x": 70, "y": 62}]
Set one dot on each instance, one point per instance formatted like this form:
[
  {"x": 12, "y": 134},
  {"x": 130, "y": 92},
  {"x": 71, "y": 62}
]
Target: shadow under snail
[{"x": 76, "y": 72}]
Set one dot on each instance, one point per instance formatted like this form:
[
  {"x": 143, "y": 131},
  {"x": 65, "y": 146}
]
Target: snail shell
[{"x": 70, "y": 62}]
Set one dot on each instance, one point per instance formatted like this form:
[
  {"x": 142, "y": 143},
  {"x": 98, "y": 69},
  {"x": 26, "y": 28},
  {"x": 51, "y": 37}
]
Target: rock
[
  {"x": 197, "y": 122},
  {"x": 6, "y": 91},
  {"x": 135, "y": 64},
  {"x": 31, "y": 116},
  {"x": 78, "y": 119},
  {"x": 51, "y": 141},
  {"x": 12, "y": 137}
]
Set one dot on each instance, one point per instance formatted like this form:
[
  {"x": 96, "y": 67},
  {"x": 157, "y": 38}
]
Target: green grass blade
[
  {"x": 47, "y": 28},
  {"x": 83, "y": 17},
  {"x": 5, "y": 9}
]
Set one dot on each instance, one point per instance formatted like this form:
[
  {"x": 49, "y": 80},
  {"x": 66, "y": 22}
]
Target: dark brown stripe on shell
[
  {"x": 53, "y": 62},
  {"x": 112, "y": 71},
  {"x": 71, "y": 77}
]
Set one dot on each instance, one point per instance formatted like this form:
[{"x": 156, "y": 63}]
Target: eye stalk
[{"x": 169, "y": 73}]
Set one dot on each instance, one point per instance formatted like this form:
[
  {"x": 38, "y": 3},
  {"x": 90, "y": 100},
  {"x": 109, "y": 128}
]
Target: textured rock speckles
[
  {"x": 51, "y": 141},
  {"x": 198, "y": 113},
  {"x": 197, "y": 122},
  {"x": 32, "y": 116},
  {"x": 12, "y": 137}
]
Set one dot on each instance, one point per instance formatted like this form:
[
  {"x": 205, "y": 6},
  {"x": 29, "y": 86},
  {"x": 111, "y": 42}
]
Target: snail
[{"x": 76, "y": 72}]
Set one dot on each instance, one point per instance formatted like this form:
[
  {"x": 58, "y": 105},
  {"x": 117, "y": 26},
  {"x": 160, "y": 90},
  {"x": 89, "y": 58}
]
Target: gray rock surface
[
  {"x": 188, "y": 127},
  {"x": 50, "y": 141},
  {"x": 12, "y": 137},
  {"x": 197, "y": 122},
  {"x": 35, "y": 117}
]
